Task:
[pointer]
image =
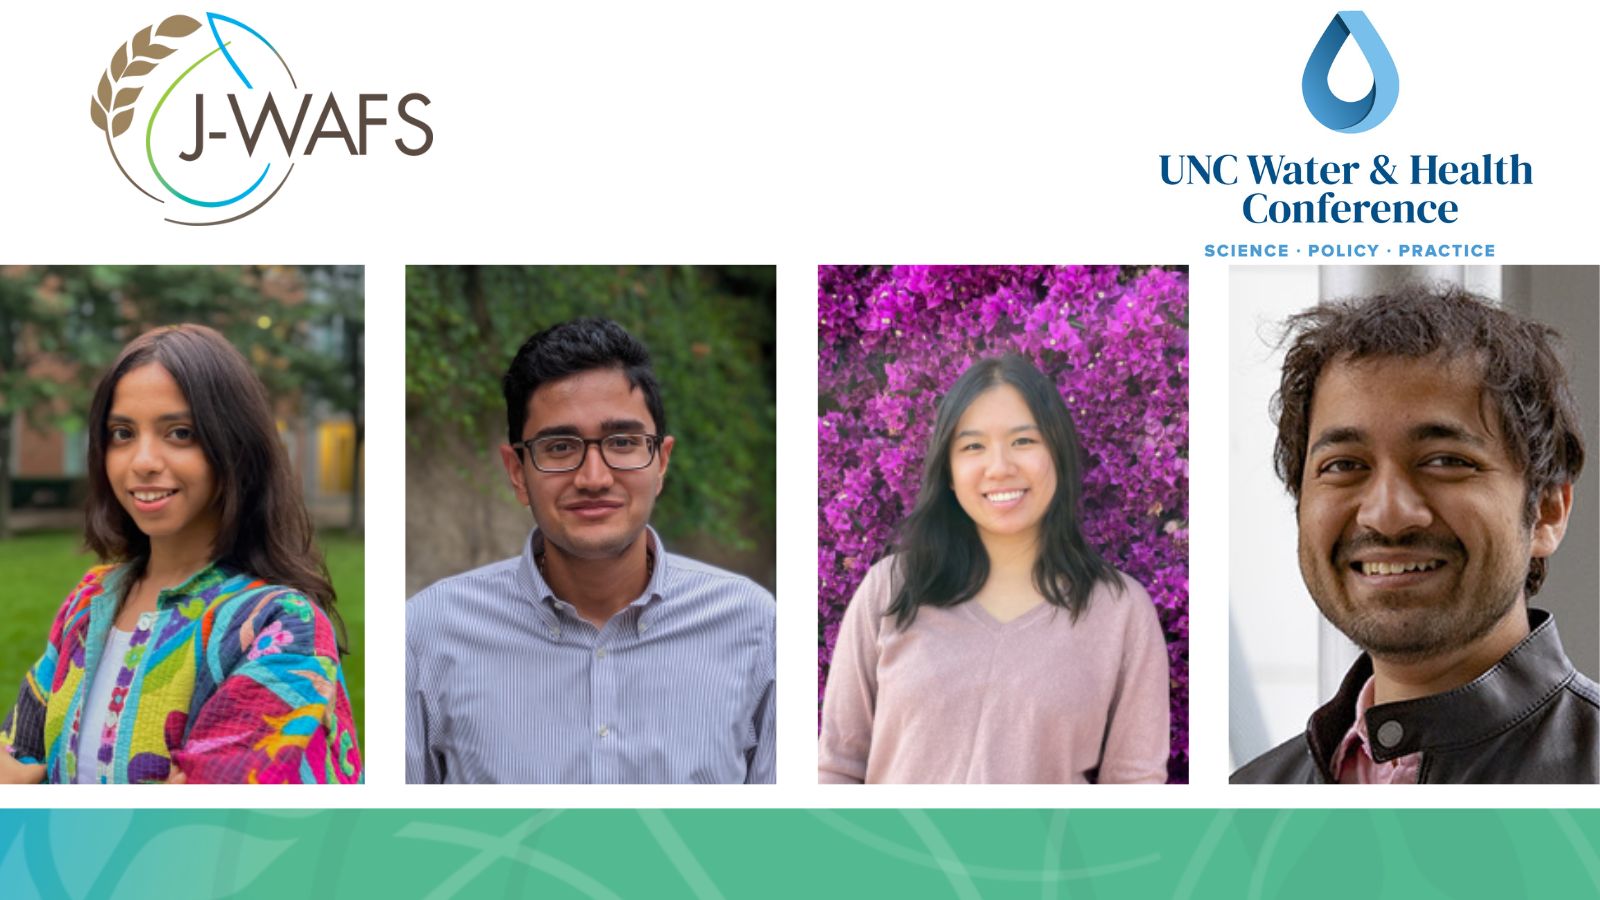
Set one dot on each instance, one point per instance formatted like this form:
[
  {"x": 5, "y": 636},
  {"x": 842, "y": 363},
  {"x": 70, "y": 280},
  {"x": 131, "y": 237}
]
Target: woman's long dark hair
[
  {"x": 265, "y": 529},
  {"x": 942, "y": 561}
]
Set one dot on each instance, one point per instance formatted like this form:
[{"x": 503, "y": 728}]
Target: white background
[{"x": 802, "y": 134}]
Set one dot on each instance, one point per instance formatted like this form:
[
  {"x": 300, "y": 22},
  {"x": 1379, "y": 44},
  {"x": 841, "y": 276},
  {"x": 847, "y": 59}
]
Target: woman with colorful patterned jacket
[{"x": 207, "y": 650}]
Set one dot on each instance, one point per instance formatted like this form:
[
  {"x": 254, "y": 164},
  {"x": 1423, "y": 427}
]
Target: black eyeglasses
[{"x": 565, "y": 453}]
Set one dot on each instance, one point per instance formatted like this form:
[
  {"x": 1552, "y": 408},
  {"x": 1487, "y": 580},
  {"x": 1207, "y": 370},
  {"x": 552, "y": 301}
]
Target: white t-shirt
[{"x": 97, "y": 706}]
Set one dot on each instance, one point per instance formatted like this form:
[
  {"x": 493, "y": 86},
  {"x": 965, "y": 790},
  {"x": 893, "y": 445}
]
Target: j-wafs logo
[{"x": 208, "y": 119}]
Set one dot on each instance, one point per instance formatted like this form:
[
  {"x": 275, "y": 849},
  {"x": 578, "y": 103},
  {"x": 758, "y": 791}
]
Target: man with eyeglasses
[{"x": 596, "y": 657}]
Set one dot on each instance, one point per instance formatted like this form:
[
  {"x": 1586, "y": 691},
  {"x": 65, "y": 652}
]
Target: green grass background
[{"x": 38, "y": 569}]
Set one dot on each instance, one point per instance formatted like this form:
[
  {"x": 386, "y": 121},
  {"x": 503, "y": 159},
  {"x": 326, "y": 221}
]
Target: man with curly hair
[{"x": 1431, "y": 443}]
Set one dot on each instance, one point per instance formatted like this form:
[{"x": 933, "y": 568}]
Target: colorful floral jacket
[{"x": 232, "y": 679}]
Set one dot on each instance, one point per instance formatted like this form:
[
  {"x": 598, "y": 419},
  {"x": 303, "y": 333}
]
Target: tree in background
[
  {"x": 35, "y": 330},
  {"x": 334, "y": 370},
  {"x": 60, "y": 326},
  {"x": 710, "y": 331}
]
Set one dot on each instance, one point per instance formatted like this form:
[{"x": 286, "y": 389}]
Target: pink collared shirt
[{"x": 1353, "y": 762}]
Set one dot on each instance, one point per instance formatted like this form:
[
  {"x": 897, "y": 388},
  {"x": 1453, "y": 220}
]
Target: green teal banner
[{"x": 1036, "y": 854}]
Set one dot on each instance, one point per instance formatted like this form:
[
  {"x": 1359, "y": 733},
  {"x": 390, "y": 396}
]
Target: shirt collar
[
  {"x": 1356, "y": 740},
  {"x": 206, "y": 584},
  {"x": 1523, "y": 679},
  {"x": 536, "y": 589},
  {"x": 202, "y": 583}
]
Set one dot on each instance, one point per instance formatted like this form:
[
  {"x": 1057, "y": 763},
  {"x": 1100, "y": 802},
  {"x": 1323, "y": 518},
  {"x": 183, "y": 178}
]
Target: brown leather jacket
[{"x": 1530, "y": 719}]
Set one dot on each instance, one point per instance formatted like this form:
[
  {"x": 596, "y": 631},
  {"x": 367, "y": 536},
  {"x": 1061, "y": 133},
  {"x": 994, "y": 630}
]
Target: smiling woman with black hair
[
  {"x": 207, "y": 650},
  {"x": 997, "y": 646}
]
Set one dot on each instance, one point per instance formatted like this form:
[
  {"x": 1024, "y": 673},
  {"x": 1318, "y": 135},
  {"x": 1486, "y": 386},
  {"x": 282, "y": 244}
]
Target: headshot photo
[
  {"x": 1002, "y": 524},
  {"x": 590, "y": 525},
  {"x": 1410, "y": 521},
  {"x": 180, "y": 460}
]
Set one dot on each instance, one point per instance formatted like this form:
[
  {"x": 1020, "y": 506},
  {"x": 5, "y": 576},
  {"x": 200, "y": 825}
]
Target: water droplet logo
[{"x": 1350, "y": 116}]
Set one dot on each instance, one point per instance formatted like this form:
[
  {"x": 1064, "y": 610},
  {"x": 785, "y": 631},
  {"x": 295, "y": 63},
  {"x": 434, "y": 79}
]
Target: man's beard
[{"x": 1399, "y": 628}]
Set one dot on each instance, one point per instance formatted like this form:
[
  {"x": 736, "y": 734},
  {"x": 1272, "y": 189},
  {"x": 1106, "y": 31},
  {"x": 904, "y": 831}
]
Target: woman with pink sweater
[{"x": 996, "y": 646}]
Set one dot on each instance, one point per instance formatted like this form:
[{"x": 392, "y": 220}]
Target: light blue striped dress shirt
[{"x": 507, "y": 684}]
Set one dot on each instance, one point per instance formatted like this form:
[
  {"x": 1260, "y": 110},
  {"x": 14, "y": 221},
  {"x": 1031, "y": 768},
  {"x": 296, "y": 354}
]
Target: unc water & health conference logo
[
  {"x": 1350, "y": 116},
  {"x": 208, "y": 119}
]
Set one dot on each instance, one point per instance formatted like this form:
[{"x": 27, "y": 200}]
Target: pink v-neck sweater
[{"x": 960, "y": 697}]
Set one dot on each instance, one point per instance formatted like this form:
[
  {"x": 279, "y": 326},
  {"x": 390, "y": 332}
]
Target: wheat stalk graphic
[{"x": 111, "y": 107}]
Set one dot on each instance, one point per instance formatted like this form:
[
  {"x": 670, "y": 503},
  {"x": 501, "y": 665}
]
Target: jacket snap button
[{"x": 1390, "y": 733}]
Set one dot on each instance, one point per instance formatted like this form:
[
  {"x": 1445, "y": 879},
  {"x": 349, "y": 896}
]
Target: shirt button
[
  {"x": 1390, "y": 733},
  {"x": 643, "y": 627},
  {"x": 603, "y": 731},
  {"x": 555, "y": 632},
  {"x": 600, "y": 654}
]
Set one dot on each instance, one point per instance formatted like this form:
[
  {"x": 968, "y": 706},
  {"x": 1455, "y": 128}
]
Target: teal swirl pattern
[{"x": 711, "y": 854}]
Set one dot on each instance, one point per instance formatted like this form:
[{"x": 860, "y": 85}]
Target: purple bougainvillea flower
[{"x": 1115, "y": 339}]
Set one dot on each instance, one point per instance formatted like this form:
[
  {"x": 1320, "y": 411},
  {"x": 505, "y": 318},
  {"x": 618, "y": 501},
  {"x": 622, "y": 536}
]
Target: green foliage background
[
  {"x": 301, "y": 328},
  {"x": 711, "y": 334}
]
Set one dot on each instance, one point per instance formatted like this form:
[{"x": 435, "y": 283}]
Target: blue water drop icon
[{"x": 1350, "y": 116}]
